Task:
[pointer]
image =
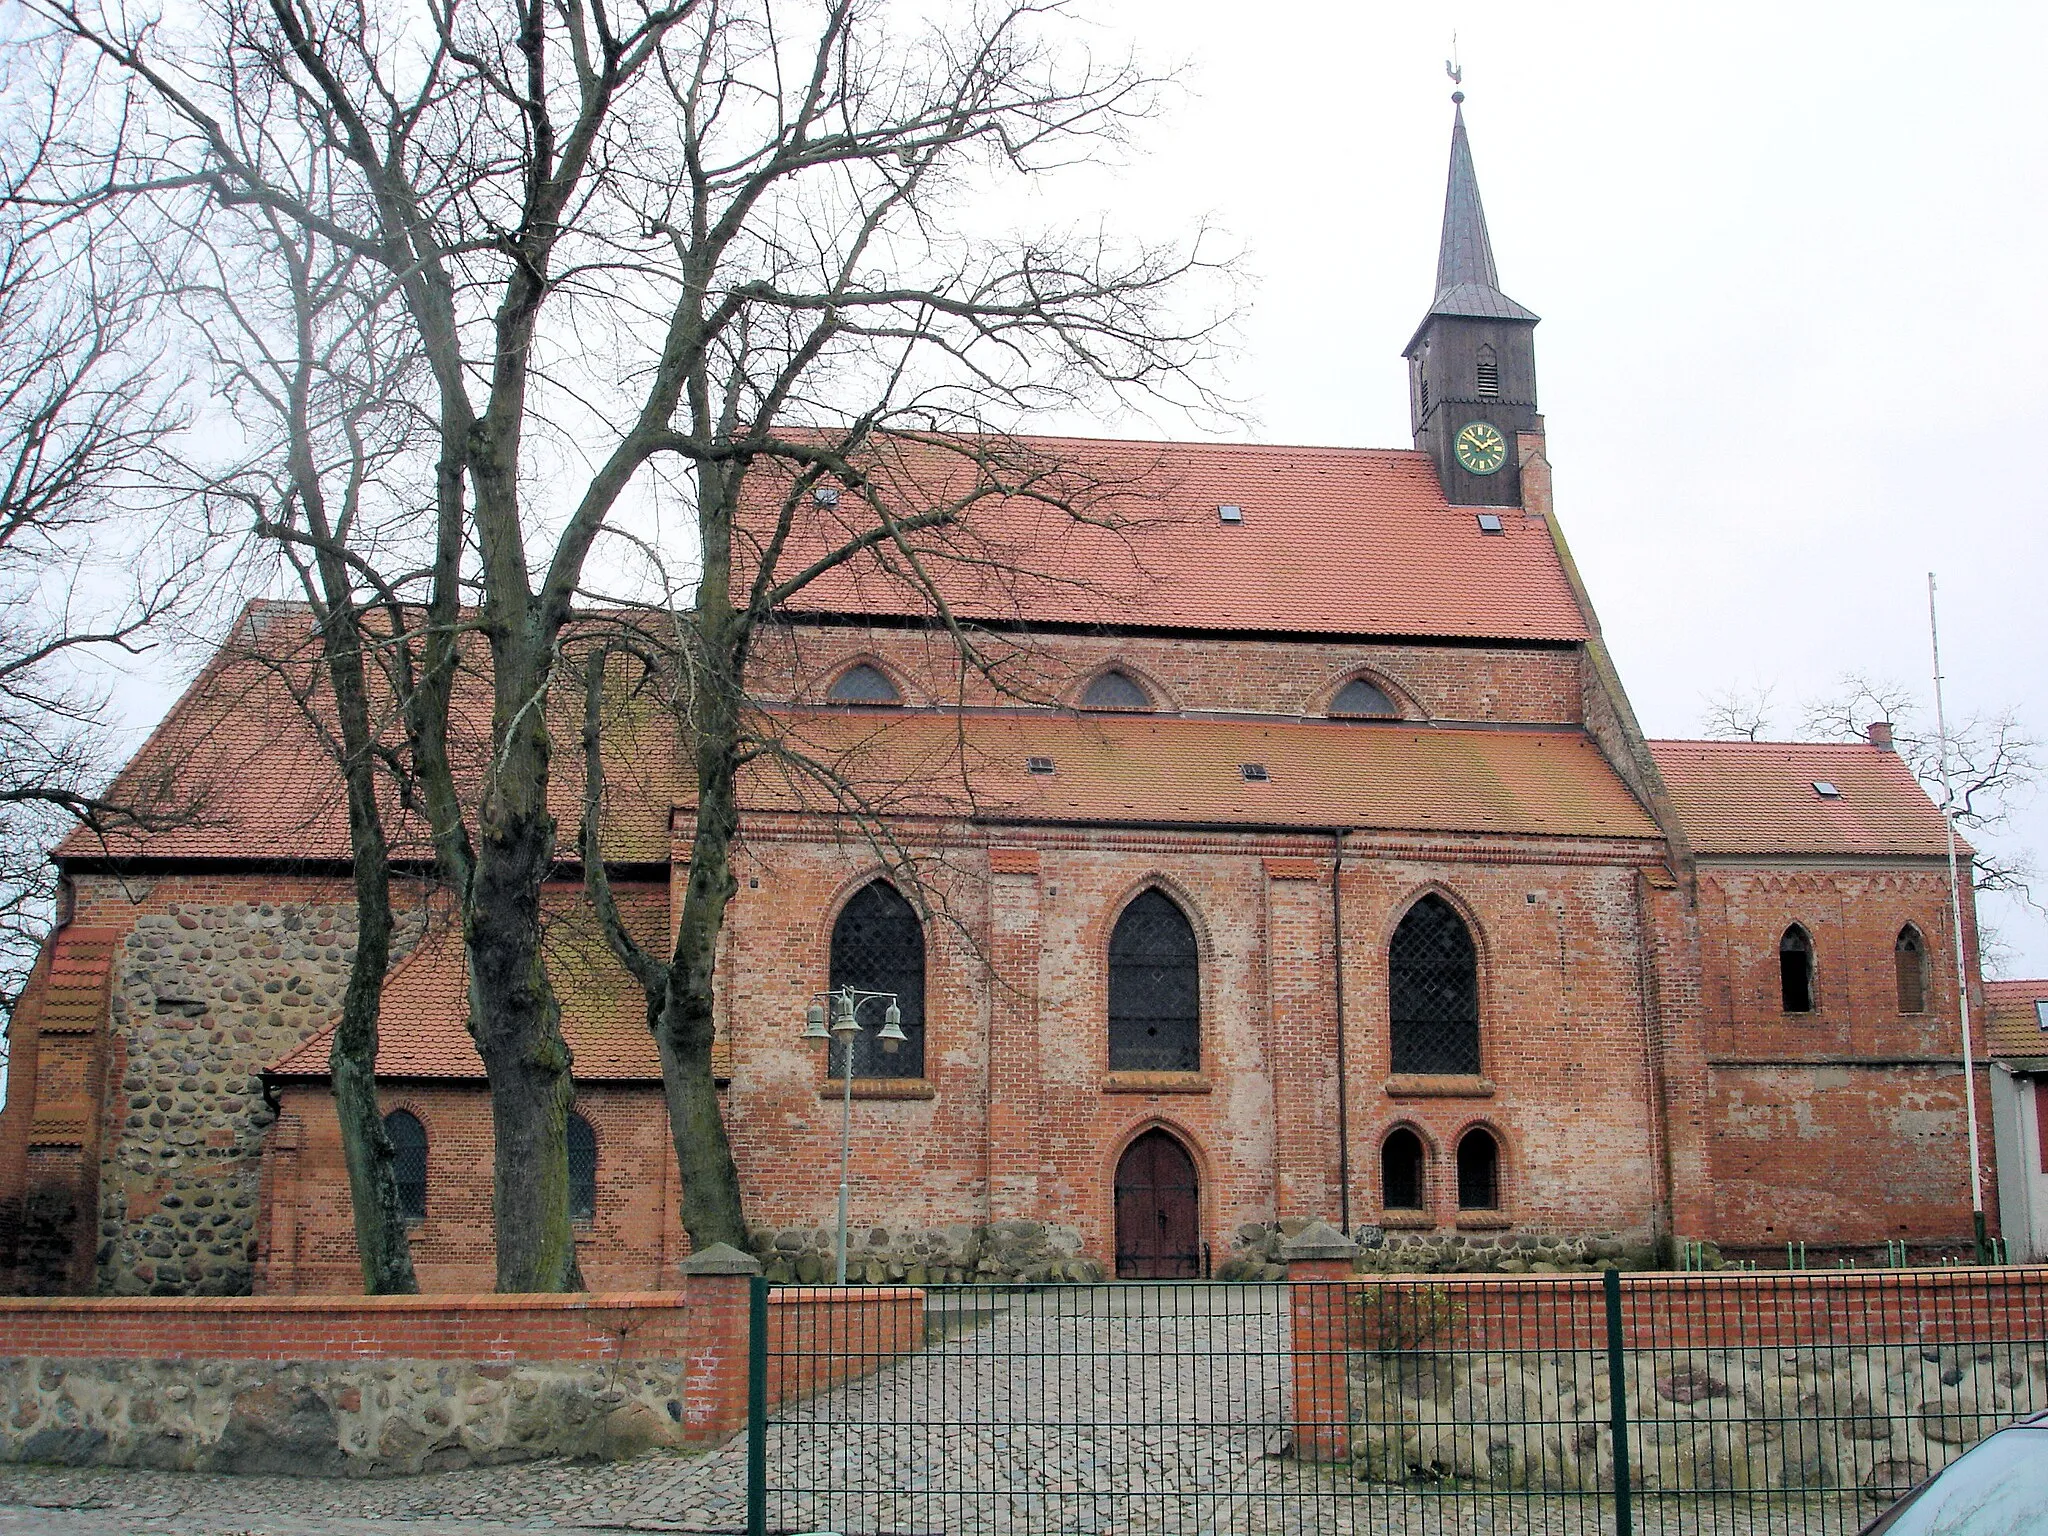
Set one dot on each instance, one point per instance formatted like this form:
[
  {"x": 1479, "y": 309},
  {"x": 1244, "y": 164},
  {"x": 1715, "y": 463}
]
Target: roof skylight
[
  {"x": 1826, "y": 790},
  {"x": 1039, "y": 765},
  {"x": 1254, "y": 773},
  {"x": 1489, "y": 522}
]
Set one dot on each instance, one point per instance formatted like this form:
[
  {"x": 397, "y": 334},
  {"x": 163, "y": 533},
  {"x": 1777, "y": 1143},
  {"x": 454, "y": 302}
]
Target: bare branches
[{"x": 1738, "y": 712}]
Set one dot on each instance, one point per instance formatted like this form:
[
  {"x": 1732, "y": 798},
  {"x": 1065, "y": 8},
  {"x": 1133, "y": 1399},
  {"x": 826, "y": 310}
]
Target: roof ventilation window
[
  {"x": 825, "y": 495},
  {"x": 1039, "y": 765},
  {"x": 1254, "y": 773},
  {"x": 1826, "y": 790},
  {"x": 1489, "y": 522},
  {"x": 863, "y": 684},
  {"x": 1115, "y": 690},
  {"x": 2040, "y": 1018},
  {"x": 1230, "y": 512},
  {"x": 1361, "y": 700}
]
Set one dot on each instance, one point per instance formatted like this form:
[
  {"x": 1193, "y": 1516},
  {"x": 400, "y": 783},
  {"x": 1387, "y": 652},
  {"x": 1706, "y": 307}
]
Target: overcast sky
[{"x": 1790, "y": 262}]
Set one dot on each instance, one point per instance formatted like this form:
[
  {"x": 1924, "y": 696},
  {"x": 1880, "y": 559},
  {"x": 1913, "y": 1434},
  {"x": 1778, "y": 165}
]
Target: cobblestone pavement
[{"x": 1009, "y": 1425}]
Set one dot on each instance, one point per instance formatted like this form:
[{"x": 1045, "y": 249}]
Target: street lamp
[{"x": 836, "y": 1015}]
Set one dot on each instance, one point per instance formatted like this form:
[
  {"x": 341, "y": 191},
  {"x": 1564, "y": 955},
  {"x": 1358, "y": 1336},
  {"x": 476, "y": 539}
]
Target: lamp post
[{"x": 835, "y": 1014}]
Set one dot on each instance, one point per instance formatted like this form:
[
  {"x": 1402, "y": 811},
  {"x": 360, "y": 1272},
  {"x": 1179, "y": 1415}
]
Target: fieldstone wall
[
  {"x": 1877, "y": 1419},
  {"x": 1257, "y": 1248},
  {"x": 333, "y": 1418},
  {"x": 1030, "y": 1252},
  {"x": 206, "y": 996}
]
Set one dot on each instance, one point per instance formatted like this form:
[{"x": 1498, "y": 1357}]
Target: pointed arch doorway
[{"x": 1158, "y": 1211}]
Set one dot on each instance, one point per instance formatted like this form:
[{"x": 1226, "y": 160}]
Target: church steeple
[{"x": 1472, "y": 361}]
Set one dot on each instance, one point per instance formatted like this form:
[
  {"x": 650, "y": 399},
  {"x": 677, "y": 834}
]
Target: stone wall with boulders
[
  {"x": 206, "y": 995},
  {"x": 333, "y": 1418},
  {"x": 1256, "y": 1252},
  {"x": 1809, "y": 1419},
  {"x": 1025, "y": 1252}
]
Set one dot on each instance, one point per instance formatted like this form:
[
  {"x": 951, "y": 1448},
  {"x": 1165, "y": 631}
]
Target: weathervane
[{"x": 1456, "y": 71}]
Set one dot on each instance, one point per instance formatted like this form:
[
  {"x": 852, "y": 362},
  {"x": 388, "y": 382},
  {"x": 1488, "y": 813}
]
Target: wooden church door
[{"x": 1158, "y": 1211}]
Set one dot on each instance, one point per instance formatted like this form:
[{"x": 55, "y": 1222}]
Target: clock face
[{"x": 1480, "y": 447}]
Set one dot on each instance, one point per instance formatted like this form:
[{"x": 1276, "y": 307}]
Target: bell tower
[{"x": 1472, "y": 362}]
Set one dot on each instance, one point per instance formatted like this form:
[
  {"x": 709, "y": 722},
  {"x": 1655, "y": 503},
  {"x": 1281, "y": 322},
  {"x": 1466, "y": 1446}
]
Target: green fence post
[
  {"x": 1617, "y": 1392},
  {"x": 757, "y": 1406}
]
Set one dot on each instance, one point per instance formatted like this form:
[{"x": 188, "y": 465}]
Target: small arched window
[
  {"x": 1478, "y": 1171},
  {"x": 1155, "y": 1007},
  {"x": 1489, "y": 374},
  {"x": 582, "y": 1170},
  {"x": 1401, "y": 1170},
  {"x": 1795, "y": 971},
  {"x": 863, "y": 683},
  {"x": 1115, "y": 690},
  {"x": 878, "y": 946},
  {"x": 1909, "y": 966},
  {"x": 408, "y": 1140},
  {"x": 1433, "y": 991},
  {"x": 1361, "y": 700}
]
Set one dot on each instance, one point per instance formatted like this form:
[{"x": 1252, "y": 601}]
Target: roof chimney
[{"x": 1880, "y": 734}]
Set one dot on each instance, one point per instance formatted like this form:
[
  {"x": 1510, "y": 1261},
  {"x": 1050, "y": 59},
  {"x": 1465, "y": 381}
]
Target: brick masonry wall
[
  {"x": 1844, "y": 1126},
  {"x": 307, "y": 1233},
  {"x": 1261, "y": 676}
]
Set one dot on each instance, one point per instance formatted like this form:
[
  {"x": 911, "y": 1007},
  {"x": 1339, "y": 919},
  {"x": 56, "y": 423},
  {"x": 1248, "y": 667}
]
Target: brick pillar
[
  {"x": 1015, "y": 1149},
  {"x": 1302, "y": 1038},
  {"x": 716, "y": 1285},
  {"x": 1678, "y": 1050},
  {"x": 1319, "y": 1261}
]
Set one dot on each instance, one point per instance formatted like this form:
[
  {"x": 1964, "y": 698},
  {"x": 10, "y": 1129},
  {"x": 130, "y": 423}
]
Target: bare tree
[
  {"x": 85, "y": 414},
  {"x": 704, "y": 254},
  {"x": 1993, "y": 764},
  {"x": 1738, "y": 712}
]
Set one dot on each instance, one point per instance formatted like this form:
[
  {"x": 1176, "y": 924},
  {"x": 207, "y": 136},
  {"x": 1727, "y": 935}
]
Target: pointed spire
[{"x": 1466, "y": 282}]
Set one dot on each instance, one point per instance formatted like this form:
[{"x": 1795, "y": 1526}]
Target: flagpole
[{"x": 1955, "y": 902}]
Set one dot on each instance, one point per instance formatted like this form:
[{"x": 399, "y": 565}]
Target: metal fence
[{"x": 1758, "y": 1402}]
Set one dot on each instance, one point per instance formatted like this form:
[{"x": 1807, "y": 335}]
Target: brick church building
[{"x": 1325, "y": 874}]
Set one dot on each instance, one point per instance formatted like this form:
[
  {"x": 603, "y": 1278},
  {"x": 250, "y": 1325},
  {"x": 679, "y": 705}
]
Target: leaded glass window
[
  {"x": 1155, "y": 1008},
  {"x": 1433, "y": 991},
  {"x": 878, "y": 946},
  {"x": 1361, "y": 700},
  {"x": 408, "y": 1162},
  {"x": 582, "y": 1170},
  {"x": 863, "y": 684},
  {"x": 1478, "y": 1171},
  {"x": 1115, "y": 690}
]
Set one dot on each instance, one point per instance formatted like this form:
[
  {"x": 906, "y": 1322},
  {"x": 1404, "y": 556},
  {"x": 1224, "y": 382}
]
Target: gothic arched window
[
  {"x": 878, "y": 946},
  {"x": 1909, "y": 966},
  {"x": 408, "y": 1162},
  {"x": 862, "y": 683},
  {"x": 1155, "y": 1004},
  {"x": 1115, "y": 690},
  {"x": 1478, "y": 1171},
  {"x": 1795, "y": 971},
  {"x": 582, "y": 1170},
  {"x": 1361, "y": 700},
  {"x": 1433, "y": 991},
  {"x": 1401, "y": 1170}
]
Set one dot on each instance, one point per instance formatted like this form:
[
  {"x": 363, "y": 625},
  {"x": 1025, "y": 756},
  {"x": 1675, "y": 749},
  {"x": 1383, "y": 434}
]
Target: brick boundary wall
[
  {"x": 1716, "y": 1310},
  {"x": 683, "y": 1352}
]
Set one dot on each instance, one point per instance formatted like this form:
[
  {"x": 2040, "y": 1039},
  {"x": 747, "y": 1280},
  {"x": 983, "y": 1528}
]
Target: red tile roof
[
  {"x": 1333, "y": 541},
  {"x": 1133, "y": 769},
  {"x": 2014, "y": 1027},
  {"x": 1736, "y": 797},
  {"x": 423, "y": 1030}
]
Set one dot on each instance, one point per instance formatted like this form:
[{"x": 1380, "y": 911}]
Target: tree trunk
[{"x": 514, "y": 1014}]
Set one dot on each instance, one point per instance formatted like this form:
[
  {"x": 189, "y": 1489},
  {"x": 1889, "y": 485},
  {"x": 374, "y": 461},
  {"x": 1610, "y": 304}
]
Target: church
[{"x": 1321, "y": 872}]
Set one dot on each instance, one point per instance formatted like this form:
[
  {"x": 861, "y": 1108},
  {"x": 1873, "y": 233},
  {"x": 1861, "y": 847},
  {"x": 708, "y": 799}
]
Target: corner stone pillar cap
[
  {"x": 720, "y": 1259},
  {"x": 1321, "y": 1241}
]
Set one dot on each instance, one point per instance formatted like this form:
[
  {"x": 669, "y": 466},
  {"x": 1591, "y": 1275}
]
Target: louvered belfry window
[
  {"x": 878, "y": 946},
  {"x": 1155, "y": 1009},
  {"x": 1489, "y": 374},
  {"x": 1433, "y": 991}
]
